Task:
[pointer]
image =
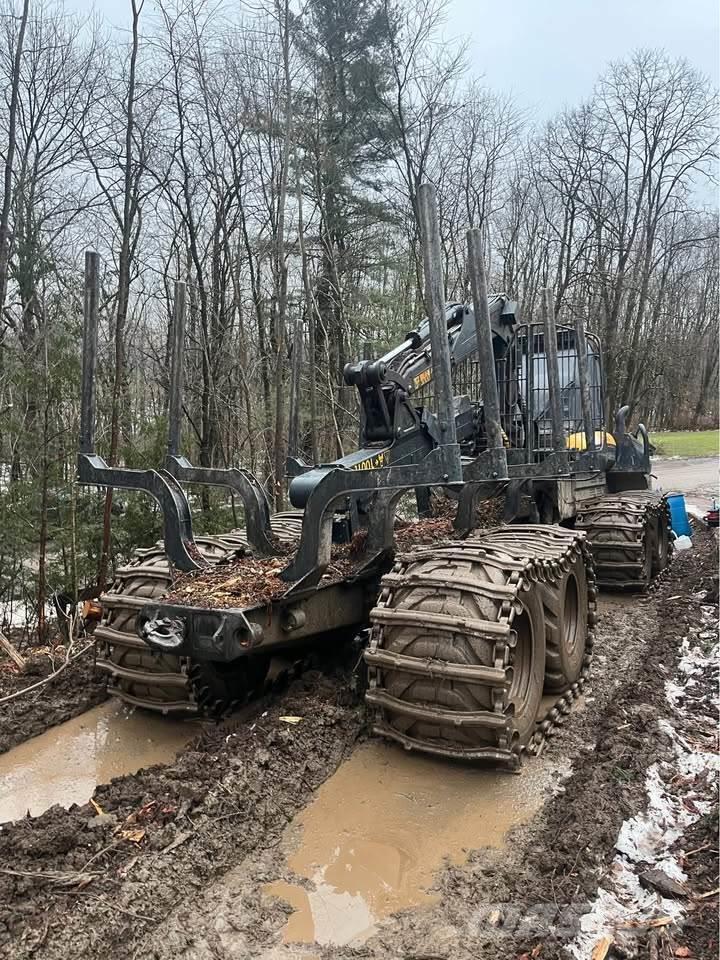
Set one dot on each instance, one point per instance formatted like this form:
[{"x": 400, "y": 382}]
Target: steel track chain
[
  {"x": 513, "y": 559},
  {"x": 137, "y": 676},
  {"x": 622, "y": 529}
]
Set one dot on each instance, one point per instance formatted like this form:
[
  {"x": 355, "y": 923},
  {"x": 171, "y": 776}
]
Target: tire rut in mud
[
  {"x": 78, "y": 688},
  {"x": 89, "y": 884},
  {"x": 529, "y": 896}
]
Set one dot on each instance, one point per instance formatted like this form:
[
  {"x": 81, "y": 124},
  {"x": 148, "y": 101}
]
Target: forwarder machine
[{"x": 462, "y": 634}]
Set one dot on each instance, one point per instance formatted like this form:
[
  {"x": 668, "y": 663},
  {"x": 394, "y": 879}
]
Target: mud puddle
[
  {"x": 380, "y": 828},
  {"x": 65, "y": 764}
]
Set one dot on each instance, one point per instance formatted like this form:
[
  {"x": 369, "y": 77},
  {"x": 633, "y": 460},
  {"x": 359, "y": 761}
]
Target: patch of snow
[
  {"x": 623, "y": 904},
  {"x": 673, "y": 692},
  {"x": 647, "y": 837}
]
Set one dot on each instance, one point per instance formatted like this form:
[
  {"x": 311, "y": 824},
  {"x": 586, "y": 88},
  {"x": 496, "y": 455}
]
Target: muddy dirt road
[
  {"x": 285, "y": 833},
  {"x": 65, "y": 764},
  {"x": 75, "y": 690}
]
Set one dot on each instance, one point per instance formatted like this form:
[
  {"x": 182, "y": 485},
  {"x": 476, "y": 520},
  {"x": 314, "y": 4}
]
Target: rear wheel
[
  {"x": 661, "y": 552},
  {"x": 565, "y": 604},
  {"x": 627, "y": 544},
  {"x": 457, "y": 652},
  {"x": 163, "y": 682}
]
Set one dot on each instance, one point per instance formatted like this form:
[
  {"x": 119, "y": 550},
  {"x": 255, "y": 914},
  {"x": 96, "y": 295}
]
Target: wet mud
[
  {"x": 238, "y": 847},
  {"x": 502, "y": 895},
  {"x": 374, "y": 837},
  {"x": 94, "y": 879},
  {"x": 65, "y": 764},
  {"x": 76, "y": 689}
]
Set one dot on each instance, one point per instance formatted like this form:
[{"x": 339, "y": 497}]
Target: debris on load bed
[
  {"x": 255, "y": 581},
  {"x": 488, "y": 513}
]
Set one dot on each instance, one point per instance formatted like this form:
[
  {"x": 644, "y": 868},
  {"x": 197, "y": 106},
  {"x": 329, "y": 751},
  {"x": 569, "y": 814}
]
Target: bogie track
[
  {"x": 465, "y": 635},
  {"x": 166, "y": 683},
  {"x": 457, "y": 651},
  {"x": 630, "y": 537}
]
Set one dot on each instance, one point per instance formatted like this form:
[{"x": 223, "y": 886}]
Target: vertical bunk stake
[
  {"x": 294, "y": 416},
  {"x": 435, "y": 302},
  {"x": 553, "y": 372},
  {"x": 582, "y": 364},
  {"x": 530, "y": 387},
  {"x": 483, "y": 332},
  {"x": 89, "y": 360},
  {"x": 176, "y": 370}
]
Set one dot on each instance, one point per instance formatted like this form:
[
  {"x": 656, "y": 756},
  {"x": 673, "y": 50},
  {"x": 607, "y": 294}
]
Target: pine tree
[{"x": 344, "y": 46}]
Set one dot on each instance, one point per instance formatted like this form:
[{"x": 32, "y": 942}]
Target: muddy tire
[
  {"x": 662, "y": 548},
  {"x": 456, "y": 658},
  {"x": 437, "y": 710},
  {"x": 624, "y": 535},
  {"x": 565, "y": 603},
  {"x": 136, "y": 675},
  {"x": 162, "y": 682}
]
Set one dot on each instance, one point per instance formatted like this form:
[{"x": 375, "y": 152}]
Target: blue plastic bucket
[{"x": 678, "y": 515}]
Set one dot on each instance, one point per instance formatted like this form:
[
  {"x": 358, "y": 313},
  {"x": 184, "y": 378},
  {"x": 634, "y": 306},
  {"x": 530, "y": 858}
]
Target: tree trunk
[
  {"x": 123, "y": 294},
  {"x": 10, "y": 158}
]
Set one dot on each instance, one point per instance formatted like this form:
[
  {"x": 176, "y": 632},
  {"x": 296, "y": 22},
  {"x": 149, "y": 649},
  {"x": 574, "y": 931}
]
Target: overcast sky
[{"x": 549, "y": 52}]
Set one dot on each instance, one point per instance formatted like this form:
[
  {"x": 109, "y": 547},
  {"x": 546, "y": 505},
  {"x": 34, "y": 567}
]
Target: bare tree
[{"x": 8, "y": 171}]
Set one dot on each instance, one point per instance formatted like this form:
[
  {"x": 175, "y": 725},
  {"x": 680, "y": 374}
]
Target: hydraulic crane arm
[{"x": 397, "y": 425}]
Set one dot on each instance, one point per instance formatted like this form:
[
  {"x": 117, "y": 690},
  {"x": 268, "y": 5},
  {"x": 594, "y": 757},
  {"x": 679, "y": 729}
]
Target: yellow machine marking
[
  {"x": 422, "y": 378},
  {"x": 576, "y": 441},
  {"x": 371, "y": 463}
]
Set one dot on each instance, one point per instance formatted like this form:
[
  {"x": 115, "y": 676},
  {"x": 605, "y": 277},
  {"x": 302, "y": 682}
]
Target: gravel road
[{"x": 697, "y": 477}]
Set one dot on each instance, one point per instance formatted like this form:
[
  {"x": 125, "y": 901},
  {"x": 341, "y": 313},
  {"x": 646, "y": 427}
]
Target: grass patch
[
  {"x": 623, "y": 775},
  {"x": 688, "y": 443}
]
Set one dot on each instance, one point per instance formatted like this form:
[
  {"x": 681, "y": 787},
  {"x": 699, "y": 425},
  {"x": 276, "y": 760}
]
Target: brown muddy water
[
  {"x": 66, "y": 763},
  {"x": 378, "y": 830}
]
